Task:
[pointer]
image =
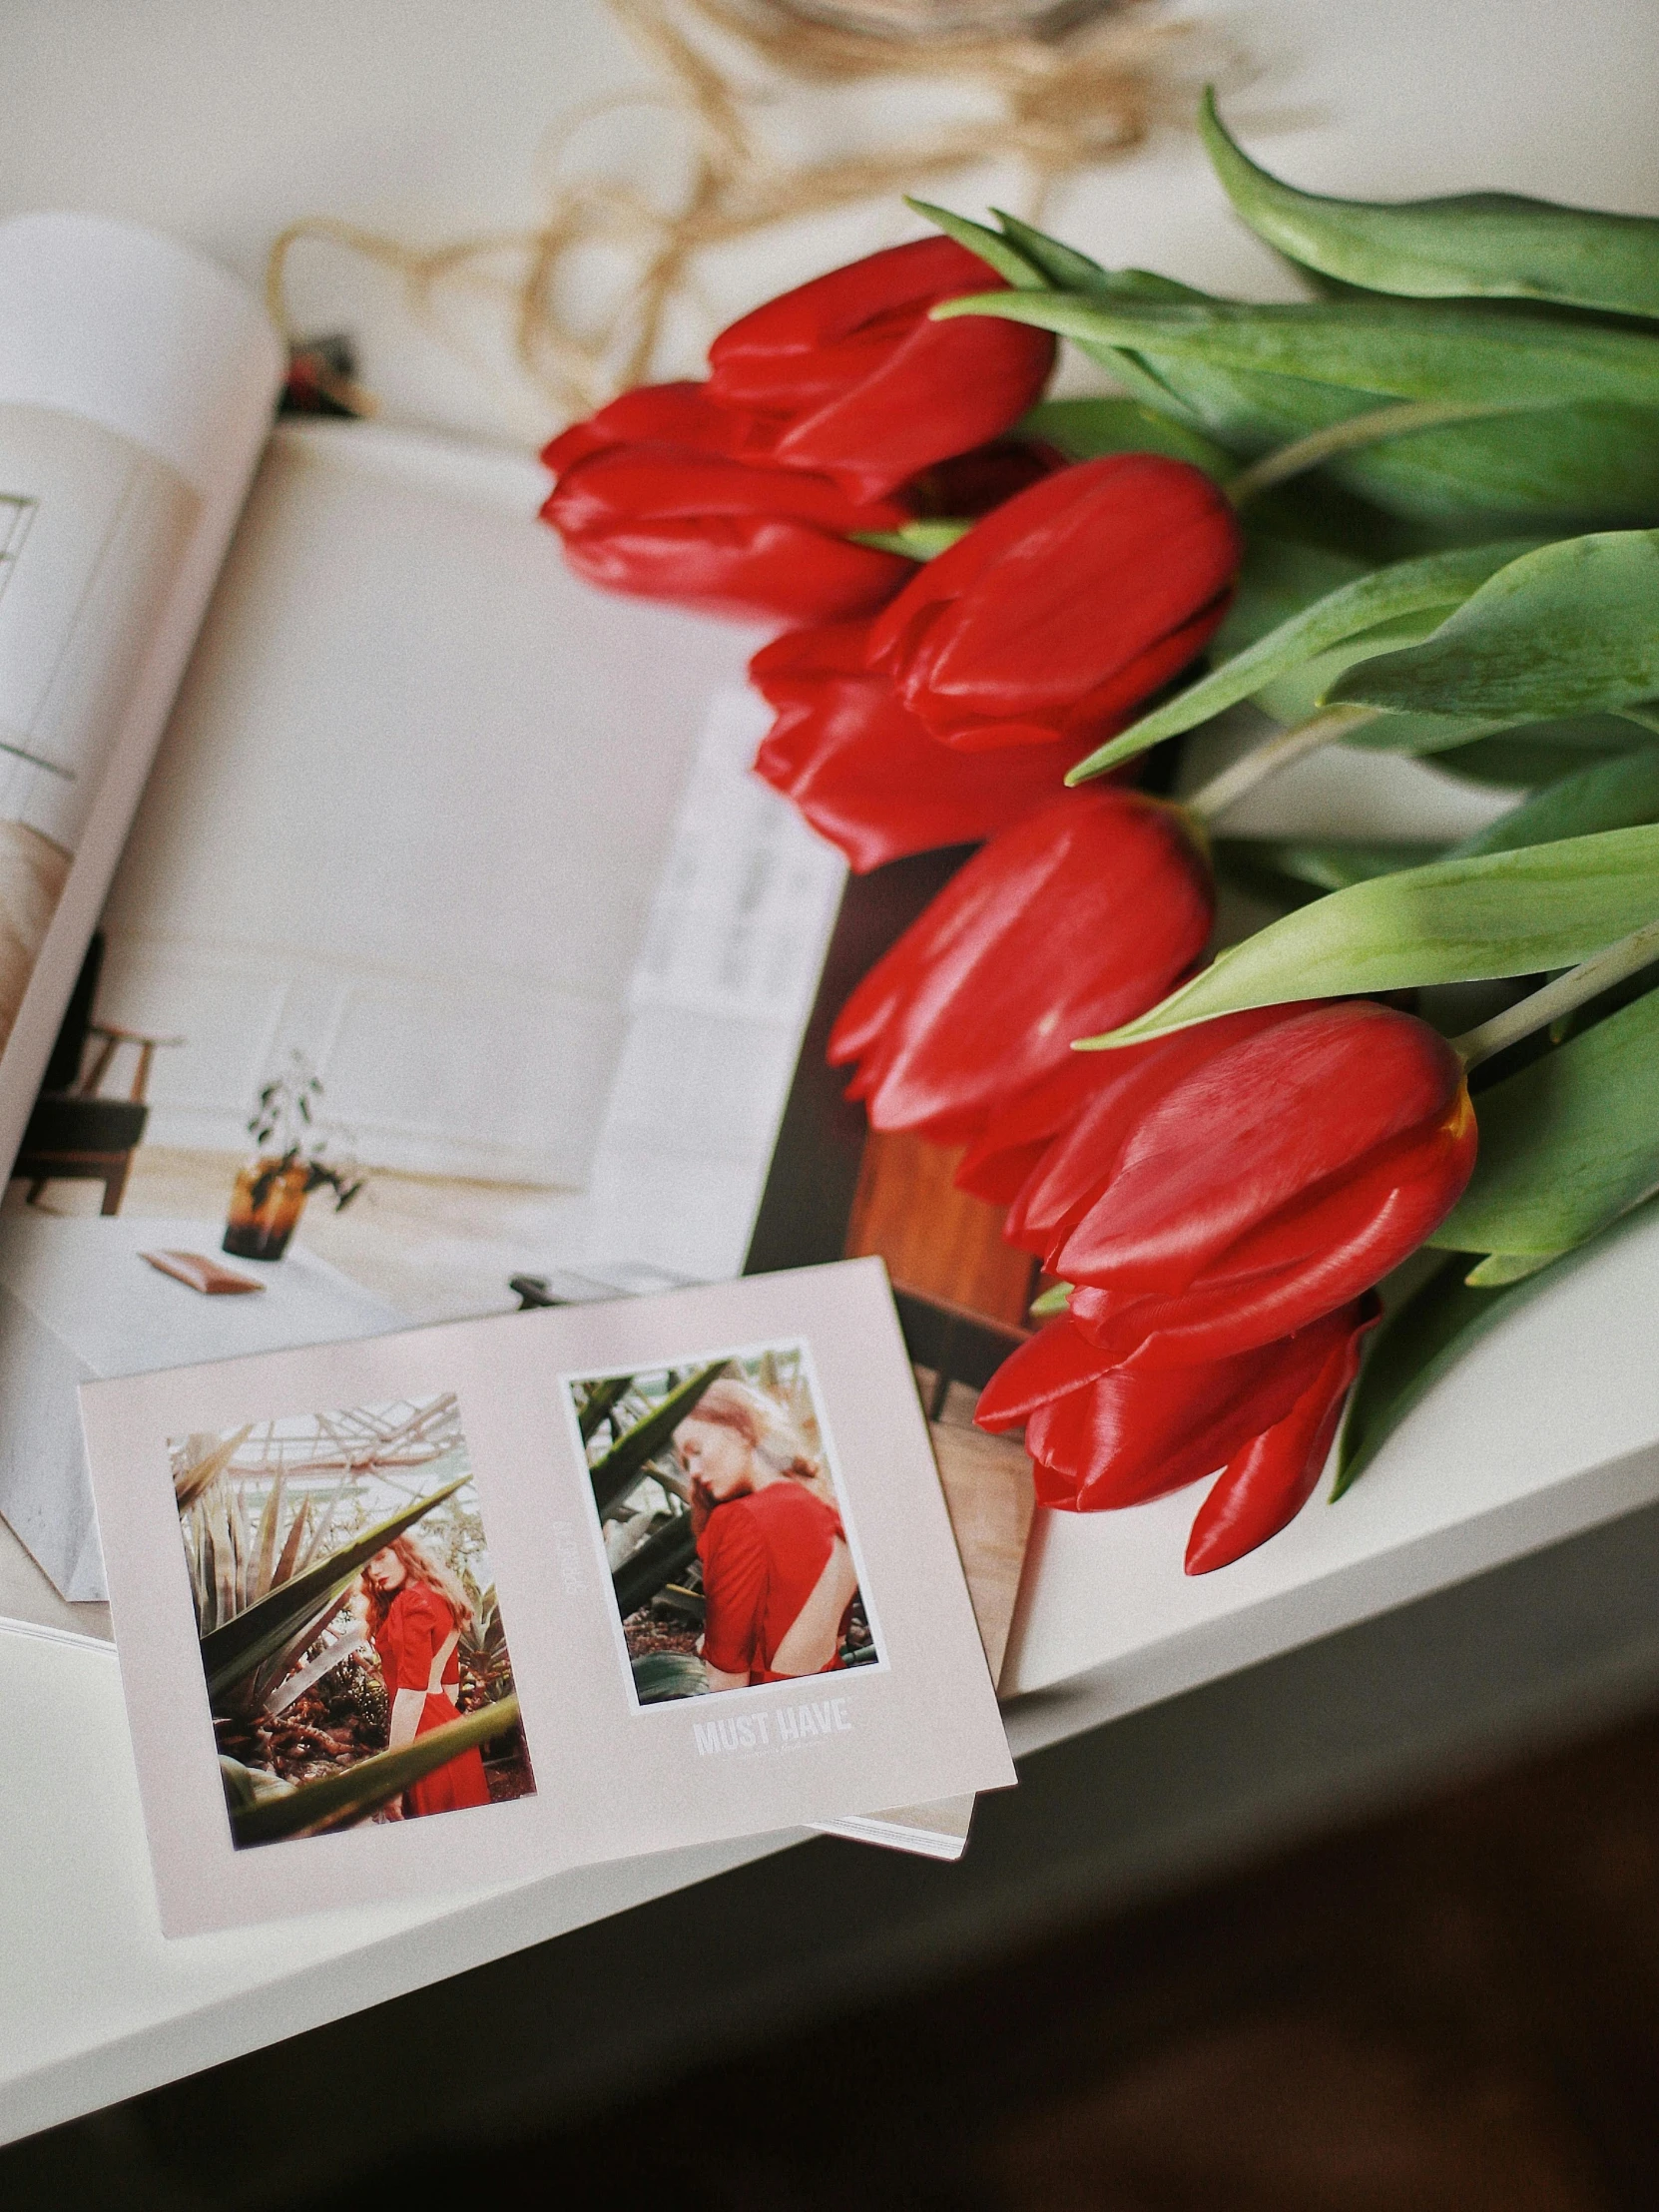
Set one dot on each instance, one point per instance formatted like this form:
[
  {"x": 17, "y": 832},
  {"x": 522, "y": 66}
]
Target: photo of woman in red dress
[
  {"x": 777, "y": 1576},
  {"x": 416, "y": 1613}
]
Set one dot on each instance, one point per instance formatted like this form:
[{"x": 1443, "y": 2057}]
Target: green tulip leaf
[
  {"x": 1406, "y": 591},
  {"x": 1278, "y": 578},
  {"x": 1498, "y": 356},
  {"x": 1611, "y": 795},
  {"x": 1541, "y": 752},
  {"x": 916, "y": 541},
  {"x": 1084, "y": 429},
  {"x": 1490, "y": 244},
  {"x": 1452, "y": 921},
  {"x": 1409, "y": 591},
  {"x": 1417, "y": 1343},
  {"x": 1476, "y": 355},
  {"x": 1066, "y": 269},
  {"x": 1499, "y": 1268},
  {"x": 1323, "y": 866},
  {"x": 1567, "y": 1144},
  {"x": 990, "y": 245},
  {"x": 1571, "y": 628}
]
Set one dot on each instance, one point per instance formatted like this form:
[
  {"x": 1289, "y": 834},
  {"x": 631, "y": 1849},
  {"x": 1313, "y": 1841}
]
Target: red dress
[
  {"x": 417, "y": 1624},
  {"x": 761, "y": 1556}
]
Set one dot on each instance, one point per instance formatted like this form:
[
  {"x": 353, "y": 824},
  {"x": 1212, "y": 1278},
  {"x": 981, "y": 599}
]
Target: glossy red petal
[
  {"x": 1048, "y": 1366},
  {"x": 1076, "y": 1170},
  {"x": 1065, "y": 925},
  {"x": 847, "y": 376},
  {"x": 1123, "y": 1437},
  {"x": 1019, "y": 1135},
  {"x": 1246, "y": 1137},
  {"x": 679, "y": 414},
  {"x": 864, "y": 773},
  {"x": 986, "y": 642},
  {"x": 1263, "y": 1488}
]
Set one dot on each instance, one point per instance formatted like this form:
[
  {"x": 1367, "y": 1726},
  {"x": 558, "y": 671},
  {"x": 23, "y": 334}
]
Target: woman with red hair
[
  {"x": 416, "y": 1612},
  {"x": 777, "y": 1576}
]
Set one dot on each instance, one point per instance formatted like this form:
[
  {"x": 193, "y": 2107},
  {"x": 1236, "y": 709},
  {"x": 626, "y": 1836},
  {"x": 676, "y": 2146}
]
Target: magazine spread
[
  {"x": 453, "y": 947},
  {"x": 425, "y": 1522}
]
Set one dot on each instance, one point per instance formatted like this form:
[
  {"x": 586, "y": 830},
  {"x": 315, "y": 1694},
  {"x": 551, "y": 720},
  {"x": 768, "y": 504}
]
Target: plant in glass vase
[{"x": 288, "y": 1165}]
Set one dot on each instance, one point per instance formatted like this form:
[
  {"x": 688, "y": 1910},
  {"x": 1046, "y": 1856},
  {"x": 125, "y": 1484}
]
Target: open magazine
[{"x": 393, "y": 917}]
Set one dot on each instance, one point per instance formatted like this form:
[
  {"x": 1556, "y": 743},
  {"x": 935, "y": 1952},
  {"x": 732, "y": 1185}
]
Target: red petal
[
  {"x": 864, "y": 773},
  {"x": 1266, "y": 1486},
  {"x": 1067, "y": 924},
  {"x": 1128, "y": 1436}
]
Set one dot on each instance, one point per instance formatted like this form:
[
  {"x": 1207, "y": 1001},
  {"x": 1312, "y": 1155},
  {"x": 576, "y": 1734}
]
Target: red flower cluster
[
  {"x": 838, "y": 412},
  {"x": 1223, "y": 1200}
]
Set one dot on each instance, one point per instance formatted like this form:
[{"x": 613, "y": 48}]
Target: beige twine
[{"x": 1062, "y": 102}]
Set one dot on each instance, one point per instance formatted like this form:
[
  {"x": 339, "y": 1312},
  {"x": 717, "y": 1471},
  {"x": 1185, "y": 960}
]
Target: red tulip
[
  {"x": 1263, "y": 1183},
  {"x": 846, "y": 374},
  {"x": 1060, "y": 925},
  {"x": 864, "y": 771},
  {"x": 650, "y": 500},
  {"x": 1103, "y": 1438},
  {"x": 753, "y": 543},
  {"x": 1066, "y": 606}
]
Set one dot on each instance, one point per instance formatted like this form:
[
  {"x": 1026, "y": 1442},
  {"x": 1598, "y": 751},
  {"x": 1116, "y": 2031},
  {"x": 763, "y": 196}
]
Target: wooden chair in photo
[{"x": 74, "y": 1134}]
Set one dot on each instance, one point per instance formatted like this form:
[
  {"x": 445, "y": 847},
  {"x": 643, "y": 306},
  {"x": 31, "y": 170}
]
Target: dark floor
[{"x": 1456, "y": 2006}]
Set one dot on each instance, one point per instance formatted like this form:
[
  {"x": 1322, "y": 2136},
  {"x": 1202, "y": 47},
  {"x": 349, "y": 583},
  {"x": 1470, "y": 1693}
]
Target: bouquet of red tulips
[{"x": 1416, "y": 513}]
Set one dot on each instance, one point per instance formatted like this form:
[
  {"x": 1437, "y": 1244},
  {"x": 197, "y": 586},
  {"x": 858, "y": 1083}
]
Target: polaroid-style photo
[
  {"x": 727, "y": 1543},
  {"x": 355, "y": 1661}
]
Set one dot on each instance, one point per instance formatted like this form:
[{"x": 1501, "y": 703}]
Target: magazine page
[
  {"x": 373, "y": 1608},
  {"x": 136, "y": 386},
  {"x": 458, "y": 955}
]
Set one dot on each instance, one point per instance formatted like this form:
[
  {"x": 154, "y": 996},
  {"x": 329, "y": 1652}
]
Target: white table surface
[{"x": 225, "y": 124}]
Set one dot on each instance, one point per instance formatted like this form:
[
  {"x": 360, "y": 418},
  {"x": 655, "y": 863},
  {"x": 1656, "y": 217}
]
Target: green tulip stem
[
  {"x": 1213, "y": 799},
  {"x": 1541, "y": 1007},
  {"x": 1370, "y": 428}
]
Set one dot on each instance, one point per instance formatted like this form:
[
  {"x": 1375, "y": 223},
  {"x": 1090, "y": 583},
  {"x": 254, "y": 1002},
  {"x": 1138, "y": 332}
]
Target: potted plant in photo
[{"x": 286, "y": 1167}]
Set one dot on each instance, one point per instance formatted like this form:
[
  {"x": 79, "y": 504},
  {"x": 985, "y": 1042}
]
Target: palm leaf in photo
[
  {"x": 616, "y": 1474},
  {"x": 303, "y": 1607},
  {"x": 260, "y": 1814}
]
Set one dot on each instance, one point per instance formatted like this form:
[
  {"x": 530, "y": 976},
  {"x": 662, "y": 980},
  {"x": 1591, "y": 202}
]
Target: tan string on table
[{"x": 1061, "y": 101}]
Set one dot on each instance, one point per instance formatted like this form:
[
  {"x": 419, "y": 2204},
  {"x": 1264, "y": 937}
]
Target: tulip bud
[
  {"x": 650, "y": 500},
  {"x": 1065, "y": 607},
  {"x": 1264, "y": 1183},
  {"x": 862, "y": 768},
  {"x": 847, "y": 377},
  {"x": 1100, "y": 900},
  {"x": 1103, "y": 1436}
]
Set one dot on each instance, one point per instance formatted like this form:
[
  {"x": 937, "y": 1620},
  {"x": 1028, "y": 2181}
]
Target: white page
[
  {"x": 612, "y": 1775},
  {"x": 136, "y": 386}
]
